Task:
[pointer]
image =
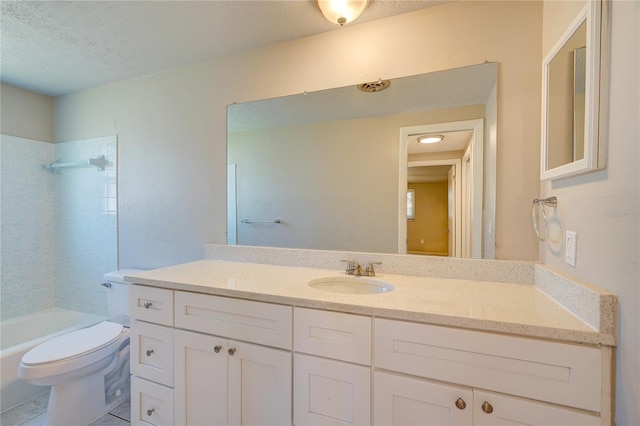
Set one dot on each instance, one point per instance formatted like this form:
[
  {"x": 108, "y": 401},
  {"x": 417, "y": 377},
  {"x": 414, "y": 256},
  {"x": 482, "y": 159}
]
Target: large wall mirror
[
  {"x": 571, "y": 141},
  {"x": 323, "y": 170}
]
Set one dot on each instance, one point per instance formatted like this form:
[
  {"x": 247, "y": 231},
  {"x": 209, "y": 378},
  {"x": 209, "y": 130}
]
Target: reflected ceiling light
[
  {"x": 430, "y": 138},
  {"x": 342, "y": 11}
]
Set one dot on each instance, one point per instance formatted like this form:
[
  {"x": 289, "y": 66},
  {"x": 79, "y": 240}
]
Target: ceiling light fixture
[
  {"x": 430, "y": 138},
  {"x": 342, "y": 11}
]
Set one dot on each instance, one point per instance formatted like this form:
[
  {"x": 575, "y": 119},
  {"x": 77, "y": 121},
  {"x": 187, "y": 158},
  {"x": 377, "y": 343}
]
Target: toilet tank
[{"x": 118, "y": 295}]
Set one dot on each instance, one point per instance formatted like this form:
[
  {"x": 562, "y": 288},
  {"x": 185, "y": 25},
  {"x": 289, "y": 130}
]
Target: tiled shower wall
[
  {"x": 59, "y": 230},
  {"x": 86, "y": 224},
  {"x": 27, "y": 223}
]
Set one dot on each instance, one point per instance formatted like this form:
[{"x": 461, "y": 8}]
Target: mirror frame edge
[{"x": 596, "y": 14}]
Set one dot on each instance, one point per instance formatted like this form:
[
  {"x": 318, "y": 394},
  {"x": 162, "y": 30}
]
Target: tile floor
[{"x": 32, "y": 413}]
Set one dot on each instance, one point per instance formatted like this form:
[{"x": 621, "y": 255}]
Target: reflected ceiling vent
[{"x": 374, "y": 86}]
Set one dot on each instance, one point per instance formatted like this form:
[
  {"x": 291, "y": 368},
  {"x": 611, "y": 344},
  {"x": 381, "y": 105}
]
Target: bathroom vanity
[{"x": 224, "y": 342}]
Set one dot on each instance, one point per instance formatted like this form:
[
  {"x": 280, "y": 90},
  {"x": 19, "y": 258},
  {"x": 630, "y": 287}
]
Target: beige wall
[
  {"x": 26, "y": 114},
  {"x": 171, "y": 125},
  {"x": 603, "y": 207}
]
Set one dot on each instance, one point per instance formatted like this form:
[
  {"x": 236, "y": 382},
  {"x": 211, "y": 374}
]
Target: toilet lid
[{"x": 74, "y": 344}]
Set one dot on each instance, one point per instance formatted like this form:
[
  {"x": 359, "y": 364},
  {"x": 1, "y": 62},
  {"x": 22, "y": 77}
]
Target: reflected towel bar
[
  {"x": 260, "y": 221},
  {"x": 100, "y": 162}
]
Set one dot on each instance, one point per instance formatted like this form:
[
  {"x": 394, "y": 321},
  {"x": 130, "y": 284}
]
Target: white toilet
[{"x": 88, "y": 369}]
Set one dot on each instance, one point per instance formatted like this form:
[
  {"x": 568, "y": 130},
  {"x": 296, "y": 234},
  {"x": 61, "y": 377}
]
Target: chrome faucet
[
  {"x": 354, "y": 268},
  {"x": 369, "y": 271}
]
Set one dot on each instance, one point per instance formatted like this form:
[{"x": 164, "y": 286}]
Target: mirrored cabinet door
[{"x": 572, "y": 97}]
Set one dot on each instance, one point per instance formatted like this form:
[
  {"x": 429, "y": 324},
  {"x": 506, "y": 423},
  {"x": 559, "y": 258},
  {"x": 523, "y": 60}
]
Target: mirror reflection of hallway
[
  {"x": 429, "y": 231},
  {"x": 448, "y": 212}
]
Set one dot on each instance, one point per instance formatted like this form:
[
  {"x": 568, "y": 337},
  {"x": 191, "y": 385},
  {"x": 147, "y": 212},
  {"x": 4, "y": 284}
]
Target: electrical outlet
[{"x": 571, "y": 248}]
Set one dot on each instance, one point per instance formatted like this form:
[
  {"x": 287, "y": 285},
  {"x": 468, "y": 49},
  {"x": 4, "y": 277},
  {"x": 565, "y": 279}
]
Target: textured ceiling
[
  {"x": 59, "y": 47},
  {"x": 451, "y": 88}
]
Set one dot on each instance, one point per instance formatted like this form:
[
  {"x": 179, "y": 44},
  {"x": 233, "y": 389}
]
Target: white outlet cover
[{"x": 571, "y": 248}]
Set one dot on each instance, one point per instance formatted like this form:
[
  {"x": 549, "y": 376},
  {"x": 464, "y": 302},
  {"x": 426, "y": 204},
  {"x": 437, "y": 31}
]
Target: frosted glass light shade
[
  {"x": 430, "y": 138},
  {"x": 342, "y": 11}
]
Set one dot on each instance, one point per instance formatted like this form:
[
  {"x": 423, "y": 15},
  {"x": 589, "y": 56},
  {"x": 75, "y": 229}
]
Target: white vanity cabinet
[
  {"x": 220, "y": 380},
  {"x": 331, "y": 368},
  {"x": 198, "y": 359},
  {"x": 471, "y": 377},
  {"x": 151, "y": 356},
  {"x": 201, "y": 359}
]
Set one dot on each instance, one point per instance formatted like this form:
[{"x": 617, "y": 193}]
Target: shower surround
[{"x": 58, "y": 229}]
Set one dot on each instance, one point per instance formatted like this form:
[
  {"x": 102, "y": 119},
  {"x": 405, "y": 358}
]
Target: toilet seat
[
  {"x": 74, "y": 353},
  {"x": 74, "y": 344}
]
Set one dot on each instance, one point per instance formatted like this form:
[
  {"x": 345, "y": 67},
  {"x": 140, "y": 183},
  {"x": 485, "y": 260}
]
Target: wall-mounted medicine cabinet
[{"x": 573, "y": 98}]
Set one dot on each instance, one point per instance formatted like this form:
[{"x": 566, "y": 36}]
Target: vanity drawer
[
  {"x": 152, "y": 352},
  {"x": 547, "y": 371},
  {"x": 151, "y": 304},
  {"x": 151, "y": 403},
  {"x": 346, "y": 337},
  {"x": 255, "y": 322}
]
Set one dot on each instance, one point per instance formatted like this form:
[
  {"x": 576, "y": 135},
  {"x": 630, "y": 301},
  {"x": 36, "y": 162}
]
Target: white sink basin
[{"x": 351, "y": 285}]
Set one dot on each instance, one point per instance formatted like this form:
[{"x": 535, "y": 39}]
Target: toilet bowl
[{"x": 88, "y": 369}]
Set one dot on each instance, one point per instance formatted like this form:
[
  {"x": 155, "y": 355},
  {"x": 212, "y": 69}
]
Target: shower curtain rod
[{"x": 100, "y": 162}]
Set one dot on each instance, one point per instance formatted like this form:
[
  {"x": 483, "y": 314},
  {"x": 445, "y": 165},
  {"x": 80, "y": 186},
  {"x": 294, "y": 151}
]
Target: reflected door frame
[
  {"x": 477, "y": 126},
  {"x": 454, "y": 233}
]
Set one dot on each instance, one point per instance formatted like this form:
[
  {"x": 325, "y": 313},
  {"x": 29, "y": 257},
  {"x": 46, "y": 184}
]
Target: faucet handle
[
  {"x": 351, "y": 266},
  {"x": 369, "y": 271}
]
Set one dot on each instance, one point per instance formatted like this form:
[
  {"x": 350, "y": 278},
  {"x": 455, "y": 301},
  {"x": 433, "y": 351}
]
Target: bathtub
[{"x": 18, "y": 335}]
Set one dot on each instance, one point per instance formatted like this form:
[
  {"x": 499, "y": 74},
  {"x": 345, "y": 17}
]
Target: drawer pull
[
  {"x": 147, "y": 305},
  {"x": 232, "y": 351},
  {"x": 461, "y": 404},
  {"x": 149, "y": 352},
  {"x": 487, "y": 408},
  {"x": 217, "y": 349},
  {"x": 150, "y": 412}
]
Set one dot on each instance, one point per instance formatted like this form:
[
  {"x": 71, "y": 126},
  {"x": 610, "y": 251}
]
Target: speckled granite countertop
[{"x": 516, "y": 309}]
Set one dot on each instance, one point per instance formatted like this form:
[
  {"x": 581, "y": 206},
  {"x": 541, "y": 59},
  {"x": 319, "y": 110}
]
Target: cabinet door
[
  {"x": 328, "y": 392},
  {"x": 259, "y": 383},
  {"x": 200, "y": 381},
  {"x": 400, "y": 400},
  {"x": 494, "y": 409}
]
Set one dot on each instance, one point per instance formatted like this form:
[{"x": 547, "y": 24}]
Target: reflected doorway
[
  {"x": 431, "y": 230},
  {"x": 446, "y": 180}
]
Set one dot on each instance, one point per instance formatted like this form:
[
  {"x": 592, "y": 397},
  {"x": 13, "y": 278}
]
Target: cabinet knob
[
  {"x": 147, "y": 305},
  {"x": 461, "y": 404},
  {"x": 232, "y": 351},
  {"x": 150, "y": 412},
  {"x": 217, "y": 349},
  {"x": 487, "y": 408},
  {"x": 149, "y": 352}
]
